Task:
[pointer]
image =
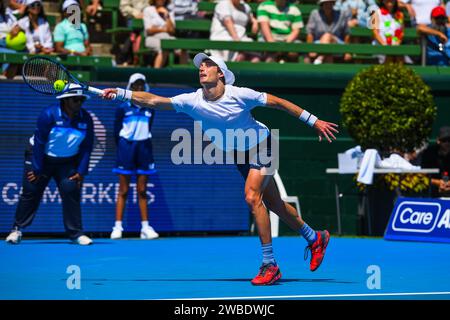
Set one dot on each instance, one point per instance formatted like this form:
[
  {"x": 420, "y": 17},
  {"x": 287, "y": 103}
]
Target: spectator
[
  {"x": 437, "y": 35},
  {"x": 7, "y": 22},
  {"x": 280, "y": 21},
  {"x": 188, "y": 10},
  {"x": 229, "y": 23},
  {"x": 69, "y": 38},
  {"x": 131, "y": 9},
  {"x": 93, "y": 7},
  {"x": 36, "y": 27},
  {"x": 447, "y": 10},
  {"x": 18, "y": 6},
  {"x": 7, "y": 36},
  {"x": 358, "y": 9},
  {"x": 420, "y": 10},
  {"x": 388, "y": 30},
  {"x": 327, "y": 25},
  {"x": 438, "y": 156},
  {"x": 185, "y": 9},
  {"x": 159, "y": 23}
]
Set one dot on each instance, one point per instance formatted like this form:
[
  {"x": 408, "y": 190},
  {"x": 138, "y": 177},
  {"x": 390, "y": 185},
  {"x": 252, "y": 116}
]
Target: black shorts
[{"x": 258, "y": 157}]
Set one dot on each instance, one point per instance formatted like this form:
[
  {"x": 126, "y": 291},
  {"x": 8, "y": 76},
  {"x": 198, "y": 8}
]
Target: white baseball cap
[
  {"x": 68, "y": 3},
  {"x": 229, "y": 76},
  {"x": 74, "y": 91}
]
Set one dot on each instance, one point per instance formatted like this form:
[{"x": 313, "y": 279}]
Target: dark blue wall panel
[{"x": 181, "y": 198}]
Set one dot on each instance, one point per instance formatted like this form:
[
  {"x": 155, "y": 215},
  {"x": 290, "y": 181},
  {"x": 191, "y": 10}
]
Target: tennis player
[{"x": 220, "y": 105}]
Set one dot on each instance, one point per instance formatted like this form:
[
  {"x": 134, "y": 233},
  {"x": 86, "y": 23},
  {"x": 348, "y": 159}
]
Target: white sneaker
[
  {"x": 14, "y": 237},
  {"x": 83, "y": 240},
  {"x": 148, "y": 233},
  {"x": 116, "y": 233}
]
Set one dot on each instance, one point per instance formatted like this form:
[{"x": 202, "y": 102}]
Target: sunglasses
[{"x": 35, "y": 5}]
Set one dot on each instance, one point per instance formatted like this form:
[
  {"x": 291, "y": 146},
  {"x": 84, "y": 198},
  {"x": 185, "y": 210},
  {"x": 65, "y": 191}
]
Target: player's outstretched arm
[
  {"x": 140, "y": 98},
  {"x": 324, "y": 129}
]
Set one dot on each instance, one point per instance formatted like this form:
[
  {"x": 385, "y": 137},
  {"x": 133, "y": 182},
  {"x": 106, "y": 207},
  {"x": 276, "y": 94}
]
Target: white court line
[{"x": 350, "y": 295}]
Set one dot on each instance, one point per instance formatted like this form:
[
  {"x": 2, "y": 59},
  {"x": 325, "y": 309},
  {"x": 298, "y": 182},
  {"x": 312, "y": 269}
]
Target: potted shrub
[{"x": 389, "y": 108}]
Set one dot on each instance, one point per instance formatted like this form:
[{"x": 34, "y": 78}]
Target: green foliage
[{"x": 388, "y": 107}]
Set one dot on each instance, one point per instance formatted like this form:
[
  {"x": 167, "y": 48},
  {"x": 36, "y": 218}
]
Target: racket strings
[{"x": 41, "y": 74}]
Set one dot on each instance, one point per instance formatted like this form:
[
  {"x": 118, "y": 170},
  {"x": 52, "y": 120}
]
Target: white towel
[
  {"x": 370, "y": 160},
  {"x": 395, "y": 161}
]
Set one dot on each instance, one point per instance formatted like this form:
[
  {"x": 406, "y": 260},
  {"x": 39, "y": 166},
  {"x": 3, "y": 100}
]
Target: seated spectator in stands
[
  {"x": 447, "y": 10},
  {"x": 7, "y": 22},
  {"x": 420, "y": 10},
  {"x": 36, "y": 27},
  {"x": 185, "y": 9},
  {"x": 188, "y": 10},
  {"x": 18, "y": 6},
  {"x": 279, "y": 21},
  {"x": 133, "y": 9},
  {"x": 388, "y": 29},
  {"x": 93, "y": 7},
  {"x": 70, "y": 39},
  {"x": 159, "y": 23},
  {"x": 358, "y": 10},
  {"x": 437, "y": 34},
  {"x": 229, "y": 23},
  {"x": 438, "y": 156},
  {"x": 327, "y": 25}
]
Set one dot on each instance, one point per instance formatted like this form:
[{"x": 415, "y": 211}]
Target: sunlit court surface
[{"x": 209, "y": 268}]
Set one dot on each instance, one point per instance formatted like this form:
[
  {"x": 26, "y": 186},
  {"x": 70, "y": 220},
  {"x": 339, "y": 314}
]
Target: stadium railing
[
  {"x": 84, "y": 66},
  {"x": 364, "y": 49}
]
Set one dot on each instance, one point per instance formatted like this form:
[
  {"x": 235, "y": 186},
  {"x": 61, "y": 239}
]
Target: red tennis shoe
[
  {"x": 318, "y": 249},
  {"x": 268, "y": 274}
]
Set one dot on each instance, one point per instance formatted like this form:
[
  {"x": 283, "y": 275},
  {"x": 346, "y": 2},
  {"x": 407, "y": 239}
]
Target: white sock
[
  {"x": 118, "y": 224},
  {"x": 144, "y": 224}
]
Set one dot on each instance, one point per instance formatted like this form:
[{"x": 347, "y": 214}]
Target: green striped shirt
[{"x": 281, "y": 22}]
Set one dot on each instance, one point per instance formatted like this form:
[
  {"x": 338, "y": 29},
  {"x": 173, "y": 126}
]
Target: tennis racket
[{"x": 41, "y": 74}]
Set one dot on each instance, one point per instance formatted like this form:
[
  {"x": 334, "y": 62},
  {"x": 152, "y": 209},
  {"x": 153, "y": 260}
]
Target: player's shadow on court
[
  {"x": 62, "y": 242},
  {"x": 279, "y": 282}
]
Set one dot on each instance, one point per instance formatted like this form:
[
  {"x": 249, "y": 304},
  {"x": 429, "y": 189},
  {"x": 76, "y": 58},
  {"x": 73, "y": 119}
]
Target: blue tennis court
[{"x": 221, "y": 268}]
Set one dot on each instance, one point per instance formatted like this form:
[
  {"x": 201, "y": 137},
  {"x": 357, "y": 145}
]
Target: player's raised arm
[
  {"x": 140, "y": 98},
  {"x": 324, "y": 129}
]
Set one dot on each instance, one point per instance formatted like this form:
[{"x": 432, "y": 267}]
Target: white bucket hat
[
  {"x": 135, "y": 77},
  {"x": 74, "y": 91},
  {"x": 229, "y": 76}
]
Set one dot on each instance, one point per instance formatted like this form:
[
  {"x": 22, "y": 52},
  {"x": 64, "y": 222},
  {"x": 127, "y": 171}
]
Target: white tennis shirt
[{"x": 229, "y": 115}]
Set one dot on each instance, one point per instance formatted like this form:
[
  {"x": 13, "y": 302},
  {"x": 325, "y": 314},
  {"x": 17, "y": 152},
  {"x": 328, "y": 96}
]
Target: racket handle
[{"x": 98, "y": 92}]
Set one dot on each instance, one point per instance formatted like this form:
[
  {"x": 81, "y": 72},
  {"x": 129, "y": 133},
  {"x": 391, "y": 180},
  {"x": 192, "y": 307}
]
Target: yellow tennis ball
[
  {"x": 59, "y": 85},
  {"x": 17, "y": 43}
]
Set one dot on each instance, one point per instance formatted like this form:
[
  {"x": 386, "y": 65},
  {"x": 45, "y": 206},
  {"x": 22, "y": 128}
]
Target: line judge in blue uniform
[
  {"x": 60, "y": 149},
  {"x": 132, "y": 131}
]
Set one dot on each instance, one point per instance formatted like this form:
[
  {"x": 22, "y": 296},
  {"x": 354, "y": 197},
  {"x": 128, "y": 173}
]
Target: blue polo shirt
[
  {"x": 58, "y": 136},
  {"x": 133, "y": 123}
]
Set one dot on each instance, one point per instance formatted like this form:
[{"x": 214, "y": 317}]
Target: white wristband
[
  {"x": 308, "y": 118},
  {"x": 123, "y": 95}
]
